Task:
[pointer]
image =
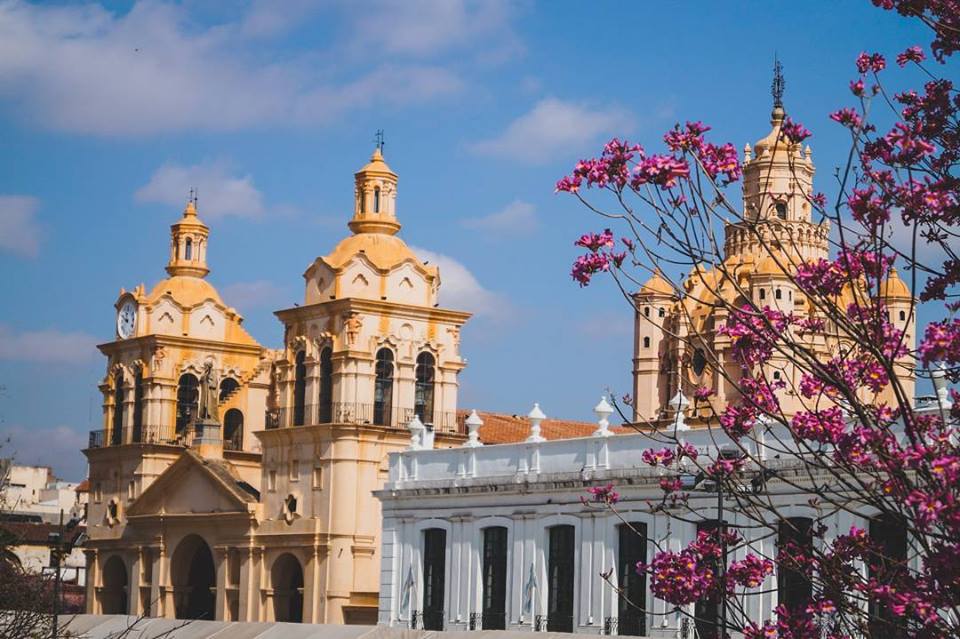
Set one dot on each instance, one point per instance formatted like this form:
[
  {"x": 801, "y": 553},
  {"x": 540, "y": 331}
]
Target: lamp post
[{"x": 59, "y": 548}]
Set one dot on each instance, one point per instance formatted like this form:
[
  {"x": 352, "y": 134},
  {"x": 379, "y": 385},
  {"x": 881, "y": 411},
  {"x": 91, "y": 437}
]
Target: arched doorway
[
  {"x": 287, "y": 579},
  {"x": 113, "y": 597},
  {"x": 194, "y": 579}
]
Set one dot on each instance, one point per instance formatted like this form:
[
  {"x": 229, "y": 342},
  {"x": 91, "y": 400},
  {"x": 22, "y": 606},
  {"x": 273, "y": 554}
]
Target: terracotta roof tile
[{"x": 501, "y": 428}]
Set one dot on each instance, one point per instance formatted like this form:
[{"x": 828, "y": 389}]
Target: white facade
[
  {"x": 34, "y": 490},
  {"x": 530, "y": 487}
]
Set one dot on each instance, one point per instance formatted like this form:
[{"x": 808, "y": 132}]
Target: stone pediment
[{"x": 193, "y": 485}]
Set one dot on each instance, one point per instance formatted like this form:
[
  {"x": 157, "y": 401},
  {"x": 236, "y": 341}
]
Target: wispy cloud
[
  {"x": 555, "y": 127},
  {"x": 460, "y": 289},
  {"x": 58, "y": 447},
  {"x": 516, "y": 218},
  {"x": 85, "y": 69},
  {"x": 256, "y": 294},
  {"x": 428, "y": 27},
  {"x": 221, "y": 193},
  {"x": 47, "y": 346},
  {"x": 20, "y": 233}
]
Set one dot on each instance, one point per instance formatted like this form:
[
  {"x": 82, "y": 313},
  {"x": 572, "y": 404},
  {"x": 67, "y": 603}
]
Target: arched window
[
  {"x": 138, "y": 406},
  {"x": 763, "y": 294},
  {"x": 699, "y": 361},
  {"x": 376, "y": 199},
  {"x": 188, "y": 250},
  {"x": 903, "y": 316},
  {"x": 326, "y": 386},
  {"x": 781, "y": 210},
  {"x": 188, "y": 393},
  {"x": 646, "y": 311},
  {"x": 300, "y": 389},
  {"x": 778, "y": 294},
  {"x": 227, "y": 386},
  {"x": 795, "y": 536},
  {"x": 423, "y": 399},
  {"x": 116, "y": 432},
  {"x": 561, "y": 571},
  {"x": 494, "y": 579},
  {"x": 434, "y": 577},
  {"x": 233, "y": 430},
  {"x": 646, "y": 342},
  {"x": 661, "y": 312},
  {"x": 383, "y": 388}
]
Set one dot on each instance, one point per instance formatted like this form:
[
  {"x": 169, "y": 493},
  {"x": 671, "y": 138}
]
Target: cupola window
[
  {"x": 781, "y": 208},
  {"x": 903, "y": 316},
  {"x": 661, "y": 312},
  {"x": 423, "y": 400},
  {"x": 779, "y": 294},
  {"x": 383, "y": 388},
  {"x": 763, "y": 294},
  {"x": 188, "y": 250},
  {"x": 376, "y": 199}
]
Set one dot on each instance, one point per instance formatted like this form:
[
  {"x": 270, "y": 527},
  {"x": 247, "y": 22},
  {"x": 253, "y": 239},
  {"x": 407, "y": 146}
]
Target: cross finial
[
  {"x": 194, "y": 195},
  {"x": 778, "y": 83},
  {"x": 378, "y": 138}
]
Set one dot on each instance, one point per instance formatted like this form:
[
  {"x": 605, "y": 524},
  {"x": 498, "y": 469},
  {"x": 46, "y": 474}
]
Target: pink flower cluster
[
  {"x": 601, "y": 257},
  {"x": 604, "y": 494},
  {"x": 794, "y": 132}
]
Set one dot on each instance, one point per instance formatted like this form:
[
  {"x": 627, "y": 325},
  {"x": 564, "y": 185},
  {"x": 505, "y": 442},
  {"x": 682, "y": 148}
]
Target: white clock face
[{"x": 127, "y": 320}]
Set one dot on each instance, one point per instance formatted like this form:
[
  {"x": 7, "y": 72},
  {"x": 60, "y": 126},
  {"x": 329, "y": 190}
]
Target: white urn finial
[
  {"x": 536, "y": 416},
  {"x": 603, "y": 410},
  {"x": 679, "y": 404},
  {"x": 416, "y": 429},
  {"x": 473, "y": 423}
]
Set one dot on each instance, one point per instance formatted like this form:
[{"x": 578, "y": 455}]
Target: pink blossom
[
  {"x": 604, "y": 494},
  {"x": 794, "y": 132},
  {"x": 911, "y": 54}
]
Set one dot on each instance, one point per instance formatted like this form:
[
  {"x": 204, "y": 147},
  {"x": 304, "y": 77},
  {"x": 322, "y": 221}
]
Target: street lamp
[{"x": 60, "y": 547}]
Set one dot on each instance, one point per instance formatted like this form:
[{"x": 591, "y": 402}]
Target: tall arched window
[
  {"x": 233, "y": 430},
  {"x": 116, "y": 433},
  {"x": 778, "y": 294},
  {"x": 383, "y": 389},
  {"x": 794, "y": 588},
  {"x": 781, "y": 208},
  {"x": 326, "y": 386},
  {"x": 646, "y": 342},
  {"x": 188, "y": 250},
  {"x": 188, "y": 392},
  {"x": 423, "y": 399},
  {"x": 300, "y": 390},
  {"x": 138, "y": 406},
  {"x": 661, "y": 312},
  {"x": 376, "y": 199}
]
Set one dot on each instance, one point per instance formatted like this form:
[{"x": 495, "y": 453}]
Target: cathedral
[
  {"x": 676, "y": 346},
  {"x": 234, "y": 482}
]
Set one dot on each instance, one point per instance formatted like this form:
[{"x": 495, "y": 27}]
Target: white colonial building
[{"x": 506, "y": 537}]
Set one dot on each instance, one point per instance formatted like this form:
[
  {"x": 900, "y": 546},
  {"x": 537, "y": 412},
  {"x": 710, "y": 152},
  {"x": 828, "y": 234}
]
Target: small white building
[{"x": 506, "y": 537}]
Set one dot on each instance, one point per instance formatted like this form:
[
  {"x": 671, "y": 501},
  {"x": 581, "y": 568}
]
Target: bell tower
[
  {"x": 188, "y": 244},
  {"x": 777, "y": 185},
  {"x": 375, "y": 197}
]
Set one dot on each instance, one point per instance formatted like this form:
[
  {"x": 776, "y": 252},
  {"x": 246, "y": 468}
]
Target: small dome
[
  {"x": 186, "y": 291},
  {"x": 657, "y": 285},
  {"x": 376, "y": 164},
  {"x": 769, "y": 266},
  {"x": 383, "y": 251},
  {"x": 894, "y": 287}
]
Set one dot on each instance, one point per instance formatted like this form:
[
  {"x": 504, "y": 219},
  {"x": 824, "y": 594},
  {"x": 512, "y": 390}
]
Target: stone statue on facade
[
  {"x": 353, "y": 324},
  {"x": 209, "y": 394}
]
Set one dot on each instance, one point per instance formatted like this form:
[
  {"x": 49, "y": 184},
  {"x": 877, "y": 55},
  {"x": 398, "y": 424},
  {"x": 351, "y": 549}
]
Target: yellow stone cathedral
[
  {"x": 232, "y": 481},
  {"x": 676, "y": 346}
]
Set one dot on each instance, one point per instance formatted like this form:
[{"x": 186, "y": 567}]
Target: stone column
[
  {"x": 93, "y": 576},
  {"x": 220, "y": 565},
  {"x": 312, "y": 585},
  {"x": 133, "y": 591}
]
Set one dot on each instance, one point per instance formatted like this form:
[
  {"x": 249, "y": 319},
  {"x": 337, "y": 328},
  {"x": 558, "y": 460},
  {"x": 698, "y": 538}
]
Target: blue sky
[{"x": 109, "y": 113}]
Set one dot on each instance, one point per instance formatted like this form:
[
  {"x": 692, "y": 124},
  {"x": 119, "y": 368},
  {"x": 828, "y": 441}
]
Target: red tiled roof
[
  {"x": 500, "y": 428},
  {"x": 83, "y": 487},
  {"x": 33, "y": 534}
]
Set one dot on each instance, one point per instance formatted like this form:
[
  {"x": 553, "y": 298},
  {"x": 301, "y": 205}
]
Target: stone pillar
[
  {"x": 313, "y": 586},
  {"x": 93, "y": 577},
  {"x": 220, "y": 565},
  {"x": 249, "y": 585},
  {"x": 133, "y": 591}
]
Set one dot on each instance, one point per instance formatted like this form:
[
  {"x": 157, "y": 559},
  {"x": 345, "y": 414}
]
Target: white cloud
[
  {"x": 425, "y": 27},
  {"x": 58, "y": 447},
  {"x": 607, "y": 325},
  {"x": 47, "y": 346},
  {"x": 220, "y": 193},
  {"x": 20, "y": 233},
  {"x": 516, "y": 218},
  {"x": 256, "y": 294},
  {"x": 459, "y": 288},
  {"x": 82, "y": 68},
  {"x": 555, "y": 127}
]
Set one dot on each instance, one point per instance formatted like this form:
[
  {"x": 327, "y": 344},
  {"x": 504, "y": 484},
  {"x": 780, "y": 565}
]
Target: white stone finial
[
  {"x": 938, "y": 375},
  {"x": 473, "y": 423},
  {"x": 536, "y": 416},
  {"x": 416, "y": 429},
  {"x": 603, "y": 410},
  {"x": 679, "y": 404}
]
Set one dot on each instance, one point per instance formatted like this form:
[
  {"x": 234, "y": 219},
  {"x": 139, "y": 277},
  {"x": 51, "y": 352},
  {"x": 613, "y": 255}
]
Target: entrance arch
[
  {"x": 113, "y": 597},
  {"x": 194, "y": 579},
  {"x": 287, "y": 579}
]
